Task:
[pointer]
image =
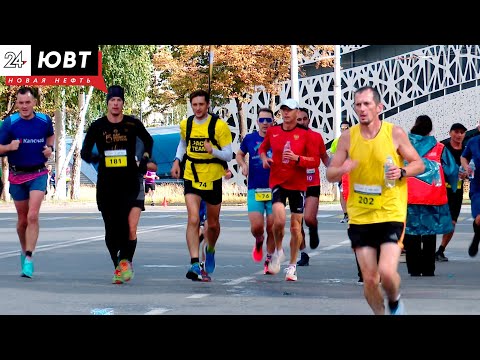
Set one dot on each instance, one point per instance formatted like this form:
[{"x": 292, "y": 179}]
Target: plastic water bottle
[
  {"x": 285, "y": 148},
  {"x": 389, "y": 162},
  {"x": 472, "y": 166}
]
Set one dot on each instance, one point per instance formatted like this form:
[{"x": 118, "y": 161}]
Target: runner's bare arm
[{"x": 407, "y": 151}]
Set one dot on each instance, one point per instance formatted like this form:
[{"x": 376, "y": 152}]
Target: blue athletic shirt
[
  {"x": 257, "y": 175},
  {"x": 32, "y": 134},
  {"x": 472, "y": 151}
]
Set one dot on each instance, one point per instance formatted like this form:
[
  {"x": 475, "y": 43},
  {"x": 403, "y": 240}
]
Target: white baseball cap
[{"x": 290, "y": 103}]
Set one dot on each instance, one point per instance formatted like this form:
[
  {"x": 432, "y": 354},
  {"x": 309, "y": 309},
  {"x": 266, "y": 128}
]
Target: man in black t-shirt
[
  {"x": 118, "y": 183},
  {"x": 455, "y": 144}
]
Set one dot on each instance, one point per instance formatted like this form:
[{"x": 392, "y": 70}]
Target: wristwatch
[{"x": 403, "y": 173}]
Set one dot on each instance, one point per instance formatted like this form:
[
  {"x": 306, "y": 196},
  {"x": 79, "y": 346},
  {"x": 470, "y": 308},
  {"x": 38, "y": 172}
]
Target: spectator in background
[
  {"x": 428, "y": 213},
  {"x": 455, "y": 144},
  {"x": 150, "y": 178},
  {"x": 344, "y": 125}
]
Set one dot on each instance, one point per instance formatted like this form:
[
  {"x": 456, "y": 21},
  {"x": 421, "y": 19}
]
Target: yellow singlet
[{"x": 369, "y": 200}]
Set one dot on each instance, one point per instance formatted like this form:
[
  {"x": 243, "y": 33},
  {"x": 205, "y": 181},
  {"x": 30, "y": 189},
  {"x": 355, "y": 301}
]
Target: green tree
[{"x": 237, "y": 71}]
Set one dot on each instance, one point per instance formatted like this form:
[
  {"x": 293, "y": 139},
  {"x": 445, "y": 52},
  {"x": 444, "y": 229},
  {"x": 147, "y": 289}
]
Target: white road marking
[
  {"x": 81, "y": 241},
  {"x": 239, "y": 280},
  {"x": 158, "y": 311},
  {"x": 197, "y": 296}
]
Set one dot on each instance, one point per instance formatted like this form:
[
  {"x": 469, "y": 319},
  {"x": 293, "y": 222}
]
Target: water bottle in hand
[
  {"x": 472, "y": 166},
  {"x": 389, "y": 183},
  {"x": 286, "y": 147}
]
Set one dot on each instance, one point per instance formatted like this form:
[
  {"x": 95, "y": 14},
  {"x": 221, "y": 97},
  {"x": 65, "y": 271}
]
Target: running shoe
[
  {"x": 304, "y": 259},
  {"x": 205, "y": 276},
  {"x": 257, "y": 252},
  {"x": 117, "y": 276},
  {"x": 440, "y": 257},
  {"x": 209, "y": 260},
  {"x": 473, "y": 248},
  {"x": 196, "y": 273},
  {"x": 27, "y": 268},
  {"x": 274, "y": 265},
  {"x": 290, "y": 273},
  {"x": 344, "y": 220},
  {"x": 126, "y": 269},
  {"x": 314, "y": 239},
  {"x": 399, "y": 310}
]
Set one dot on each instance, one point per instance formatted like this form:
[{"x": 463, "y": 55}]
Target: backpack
[{"x": 211, "y": 137}]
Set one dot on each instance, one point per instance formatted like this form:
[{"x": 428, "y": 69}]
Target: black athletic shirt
[{"x": 116, "y": 145}]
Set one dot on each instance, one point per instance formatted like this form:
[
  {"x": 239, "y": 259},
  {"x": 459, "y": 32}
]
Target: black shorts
[
  {"x": 149, "y": 187},
  {"x": 296, "y": 198},
  {"x": 213, "y": 197},
  {"x": 313, "y": 191},
  {"x": 374, "y": 235},
  {"x": 455, "y": 200}
]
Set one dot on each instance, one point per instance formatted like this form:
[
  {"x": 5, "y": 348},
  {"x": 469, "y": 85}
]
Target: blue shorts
[
  {"x": 475, "y": 204},
  {"x": 21, "y": 192},
  {"x": 263, "y": 207}
]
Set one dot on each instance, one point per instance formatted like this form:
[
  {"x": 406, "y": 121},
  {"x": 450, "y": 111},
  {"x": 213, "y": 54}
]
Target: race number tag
[
  {"x": 203, "y": 185},
  {"x": 115, "y": 158},
  {"x": 263, "y": 194},
  {"x": 310, "y": 173},
  {"x": 367, "y": 196}
]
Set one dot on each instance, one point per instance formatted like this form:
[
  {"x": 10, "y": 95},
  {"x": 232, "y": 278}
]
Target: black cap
[
  {"x": 458, "y": 126},
  {"x": 115, "y": 91}
]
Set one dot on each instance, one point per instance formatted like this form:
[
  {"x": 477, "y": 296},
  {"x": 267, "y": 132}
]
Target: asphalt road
[{"x": 73, "y": 271}]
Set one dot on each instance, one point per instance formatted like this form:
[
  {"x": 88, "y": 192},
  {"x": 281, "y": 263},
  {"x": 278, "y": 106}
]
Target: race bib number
[
  {"x": 203, "y": 185},
  {"x": 310, "y": 173},
  {"x": 263, "y": 194},
  {"x": 115, "y": 158},
  {"x": 367, "y": 196}
]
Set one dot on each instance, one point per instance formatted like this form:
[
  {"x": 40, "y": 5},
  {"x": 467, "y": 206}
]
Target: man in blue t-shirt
[
  {"x": 472, "y": 153},
  {"x": 259, "y": 198},
  {"x": 27, "y": 138},
  {"x": 1, "y": 165}
]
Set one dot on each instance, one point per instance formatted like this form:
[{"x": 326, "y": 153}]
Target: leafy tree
[{"x": 237, "y": 72}]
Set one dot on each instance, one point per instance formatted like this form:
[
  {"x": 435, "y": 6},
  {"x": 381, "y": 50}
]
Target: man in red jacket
[{"x": 293, "y": 151}]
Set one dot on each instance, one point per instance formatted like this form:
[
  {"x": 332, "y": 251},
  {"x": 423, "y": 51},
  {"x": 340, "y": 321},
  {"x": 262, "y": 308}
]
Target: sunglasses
[
  {"x": 302, "y": 118},
  {"x": 263, "y": 120},
  {"x": 342, "y": 128}
]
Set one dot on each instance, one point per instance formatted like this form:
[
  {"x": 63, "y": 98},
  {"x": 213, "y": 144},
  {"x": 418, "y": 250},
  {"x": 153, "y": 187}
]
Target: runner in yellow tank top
[
  {"x": 370, "y": 201},
  {"x": 376, "y": 213}
]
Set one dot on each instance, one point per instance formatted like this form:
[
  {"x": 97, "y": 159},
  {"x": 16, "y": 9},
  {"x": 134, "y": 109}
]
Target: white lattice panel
[{"x": 400, "y": 80}]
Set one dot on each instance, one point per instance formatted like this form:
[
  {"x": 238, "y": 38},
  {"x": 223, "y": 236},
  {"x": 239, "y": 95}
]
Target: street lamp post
[
  {"x": 294, "y": 72},
  {"x": 337, "y": 91}
]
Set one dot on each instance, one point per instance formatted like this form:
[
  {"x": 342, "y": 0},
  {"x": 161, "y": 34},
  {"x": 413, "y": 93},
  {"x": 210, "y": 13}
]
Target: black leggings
[
  {"x": 420, "y": 254},
  {"x": 116, "y": 232}
]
